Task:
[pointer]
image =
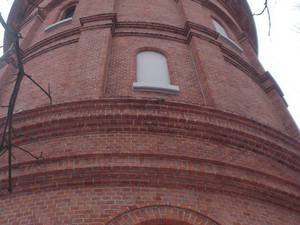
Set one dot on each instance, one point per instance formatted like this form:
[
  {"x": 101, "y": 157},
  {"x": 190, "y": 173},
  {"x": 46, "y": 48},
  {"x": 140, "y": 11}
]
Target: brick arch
[{"x": 161, "y": 215}]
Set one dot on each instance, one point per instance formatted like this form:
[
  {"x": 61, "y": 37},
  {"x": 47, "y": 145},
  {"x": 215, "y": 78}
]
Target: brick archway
[{"x": 161, "y": 215}]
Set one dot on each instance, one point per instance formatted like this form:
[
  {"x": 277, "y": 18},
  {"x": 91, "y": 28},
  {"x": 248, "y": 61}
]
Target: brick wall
[
  {"x": 135, "y": 205},
  {"x": 181, "y": 29},
  {"x": 222, "y": 151}
]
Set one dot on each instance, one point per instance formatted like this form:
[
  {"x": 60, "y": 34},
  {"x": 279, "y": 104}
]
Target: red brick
[{"x": 222, "y": 151}]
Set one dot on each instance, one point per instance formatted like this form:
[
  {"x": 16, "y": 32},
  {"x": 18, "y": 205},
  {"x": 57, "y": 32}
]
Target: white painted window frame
[
  {"x": 58, "y": 24},
  {"x": 151, "y": 64},
  {"x": 223, "y": 36}
]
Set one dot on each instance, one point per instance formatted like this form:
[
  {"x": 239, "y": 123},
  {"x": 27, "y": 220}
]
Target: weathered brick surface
[
  {"x": 124, "y": 204},
  {"x": 122, "y": 71},
  {"x": 153, "y": 11},
  {"x": 222, "y": 151}
]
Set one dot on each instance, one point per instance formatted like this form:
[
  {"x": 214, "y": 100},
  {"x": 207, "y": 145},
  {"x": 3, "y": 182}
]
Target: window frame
[
  {"x": 69, "y": 9},
  {"x": 223, "y": 35},
  {"x": 63, "y": 21},
  {"x": 159, "y": 85}
]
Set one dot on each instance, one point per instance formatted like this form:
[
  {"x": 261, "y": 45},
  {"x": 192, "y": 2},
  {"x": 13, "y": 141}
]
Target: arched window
[
  {"x": 219, "y": 28},
  {"x": 69, "y": 12},
  {"x": 176, "y": 215},
  {"x": 65, "y": 19},
  {"x": 153, "y": 73},
  {"x": 223, "y": 35}
]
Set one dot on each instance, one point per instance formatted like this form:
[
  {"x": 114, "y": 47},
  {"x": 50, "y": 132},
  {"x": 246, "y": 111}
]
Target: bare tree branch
[
  {"x": 266, "y": 8},
  {"x": 39, "y": 159},
  {"x": 31, "y": 2},
  {"x": 15, "y": 55},
  {"x": 4, "y": 24},
  {"x": 42, "y": 89},
  {"x": 4, "y": 150},
  {"x": 263, "y": 10},
  {"x": 269, "y": 18},
  {"x": 18, "y": 133}
]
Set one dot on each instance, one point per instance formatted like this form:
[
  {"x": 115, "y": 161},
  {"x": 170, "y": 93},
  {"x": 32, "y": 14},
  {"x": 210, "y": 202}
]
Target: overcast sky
[{"x": 278, "y": 53}]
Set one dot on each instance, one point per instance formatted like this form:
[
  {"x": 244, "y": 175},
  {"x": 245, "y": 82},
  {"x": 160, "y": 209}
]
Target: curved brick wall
[{"x": 224, "y": 150}]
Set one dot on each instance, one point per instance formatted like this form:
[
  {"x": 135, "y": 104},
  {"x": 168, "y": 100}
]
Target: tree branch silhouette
[
  {"x": 265, "y": 9},
  {"x": 9, "y": 132}
]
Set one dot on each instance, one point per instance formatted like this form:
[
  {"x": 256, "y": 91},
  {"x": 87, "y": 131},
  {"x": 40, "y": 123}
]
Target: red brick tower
[{"x": 161, "y": 114}]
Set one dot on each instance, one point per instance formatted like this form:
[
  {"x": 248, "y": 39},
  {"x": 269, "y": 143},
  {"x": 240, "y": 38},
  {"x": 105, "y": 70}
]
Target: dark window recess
[{"x": 69, "y": 13}]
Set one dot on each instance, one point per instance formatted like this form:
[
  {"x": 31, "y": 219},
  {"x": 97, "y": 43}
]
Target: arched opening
[
  {"x": 153, "y": 73},
  {"x": 161, "y": 215},
  {"x": 223, "y": 35},
  {"x": 69, "y": 12},
  {"x": 65, "y": 19},
  {"x": 219, "y": 28}
]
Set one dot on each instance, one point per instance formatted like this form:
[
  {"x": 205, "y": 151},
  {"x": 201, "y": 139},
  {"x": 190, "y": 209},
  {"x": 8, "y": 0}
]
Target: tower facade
[{"x": 161, "y": 114}]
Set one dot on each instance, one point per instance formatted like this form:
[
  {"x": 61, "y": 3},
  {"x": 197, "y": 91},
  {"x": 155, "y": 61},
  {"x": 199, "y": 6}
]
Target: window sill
[
  {"x": 58, "y": 24},
  {"x": 230, "y": 42},
  {"x": 168, "y": 89}
]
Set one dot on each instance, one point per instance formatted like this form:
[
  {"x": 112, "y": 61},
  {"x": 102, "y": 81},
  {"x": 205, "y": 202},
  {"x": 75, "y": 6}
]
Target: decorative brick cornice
[
  {"x": 240, "y": 10},
  {"x": 269, "y": 83},
  {"x": 183, "y": 35},
  {"x": 265, "y": 81},
  {"x": 194, "y": 122},
  {"x": 237, "y": 9},
  {"x": 241, "y": 64},
  {"x": 37, "y": 15},
  {"x": 155, "y": 170},
  {"x": 99, "y": 17},
  {"x": 47, "y": 44},
  {"x": 244, "y": 37},
  {"x": 107, "y": 20},
  {"x": 190, "y": 25}
]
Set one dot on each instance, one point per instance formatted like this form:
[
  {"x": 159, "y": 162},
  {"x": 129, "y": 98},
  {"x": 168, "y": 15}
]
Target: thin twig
[
  {"x": 269, "y": 18},
  {"x": 20, "y": 134},
  {"x": 13, "y": 81},
  {"x": 12, "y": 154},
  {"x": 43, "y": 90},
  {"x": 266, "y": 8},
  {"x": 263, "y": 10},
  {"x": 40, "y": 159},
  {"x": 3, "y": 151},
  {"x": 35, "y": 5}
]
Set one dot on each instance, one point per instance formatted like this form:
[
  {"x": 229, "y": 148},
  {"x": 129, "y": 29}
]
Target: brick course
[{"x": 222, "y": 151}]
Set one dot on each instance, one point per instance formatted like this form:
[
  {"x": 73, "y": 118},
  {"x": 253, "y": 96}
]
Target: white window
[
  {"x": 153, "y": 73},
  {"x": 220, "y": 29},
  {"x": 66, "y": 19},
  {"x": 223, "y": 35}
]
